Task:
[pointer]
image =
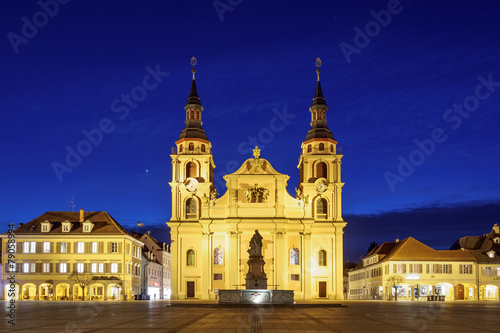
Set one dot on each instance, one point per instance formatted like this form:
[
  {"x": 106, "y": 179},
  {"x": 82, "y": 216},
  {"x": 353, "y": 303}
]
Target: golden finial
[
  {"x": 193, "y": 63},
  {"x": 318, "y": 64},
  {"x": 256, "y": 152}
]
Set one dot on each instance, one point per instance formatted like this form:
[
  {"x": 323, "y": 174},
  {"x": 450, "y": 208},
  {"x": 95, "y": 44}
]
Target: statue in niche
[{"x": 256, "y": 245}]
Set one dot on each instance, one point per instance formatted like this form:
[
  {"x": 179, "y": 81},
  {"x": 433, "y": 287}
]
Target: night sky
[{"x": 413, "y": 89}]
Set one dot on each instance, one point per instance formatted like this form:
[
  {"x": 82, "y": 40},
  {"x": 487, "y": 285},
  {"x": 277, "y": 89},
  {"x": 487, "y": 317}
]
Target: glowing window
[
  {"x": 321, "y": 209},
  {"x": 190, "y": 258},
  {"x": 294, "y": 256},
  {"x": 191, "y": 208},
  {"x": 322, "y": 258},
  {"x": 218, "y": 256}
]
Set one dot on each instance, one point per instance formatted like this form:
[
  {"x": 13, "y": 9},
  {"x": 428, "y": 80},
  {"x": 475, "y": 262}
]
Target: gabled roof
[
  {"x": 410, "y": 249},
  {"x": 103, "y": 224}
]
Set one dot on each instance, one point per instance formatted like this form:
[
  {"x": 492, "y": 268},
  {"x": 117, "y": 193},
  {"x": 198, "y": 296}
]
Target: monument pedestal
[{"x": 256, "y": 277}]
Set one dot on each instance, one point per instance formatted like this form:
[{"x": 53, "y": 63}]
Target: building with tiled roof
[
  {"x": 424, "y": 272},
  {"x": 486, "y": 251},
  {"x": 156, "y": 262},
  {"x": 90, "y": 245}
]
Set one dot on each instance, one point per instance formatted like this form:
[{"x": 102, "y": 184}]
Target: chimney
[
  {"x": 82, "y": 215},
  {"x": 397, "y": 240},
  {"x": 20, "y": 225},
  {"x": 496, "y": 230}
]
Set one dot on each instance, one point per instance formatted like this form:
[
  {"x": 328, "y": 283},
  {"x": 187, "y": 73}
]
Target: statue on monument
[{"x": 256, "y": 245}]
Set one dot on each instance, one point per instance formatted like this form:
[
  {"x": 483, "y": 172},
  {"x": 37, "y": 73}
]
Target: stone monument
[{"x": 256, "y": 278}]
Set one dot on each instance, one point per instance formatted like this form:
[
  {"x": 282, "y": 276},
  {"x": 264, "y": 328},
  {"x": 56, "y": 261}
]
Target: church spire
[
  {"x": 319, "y": 128},
  {"x": 193, "y": 129},
  {"x": 318, "y": 95},
  {"x": 193, "y": 94}
]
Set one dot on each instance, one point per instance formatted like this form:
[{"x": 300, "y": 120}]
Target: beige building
[
  {"x": 56, "y": 244},
  {"x": 486, "y": 250},
  {"x": 156, "y": 266},
  {"x": 424, "y": 272},
  {"x": 302, "y": 234}
]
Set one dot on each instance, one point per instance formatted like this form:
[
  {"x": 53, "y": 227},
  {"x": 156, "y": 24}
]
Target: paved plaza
[{"x": 163, "y": 316}]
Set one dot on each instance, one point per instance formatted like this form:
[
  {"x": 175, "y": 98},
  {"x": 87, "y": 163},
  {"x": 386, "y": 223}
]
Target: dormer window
[
  {"x": 491, "y": 254},
  {"x": 46, "y": 226},
  {"x": 66, "y": 226},
  {"x": 87, "y": 226},
  {"x": 496, "y": 240}
]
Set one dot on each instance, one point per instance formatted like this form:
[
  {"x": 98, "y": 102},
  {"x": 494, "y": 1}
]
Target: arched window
[
  {"x": 321, "y": 146},
  {"x": 322, "y": 258},
  {"x": 309, "y": 148},
  {"x": 218, "y": 256},
  {"x": 191, "y": 208},
  {"x": 294, "y": 256},
  {"x": 202, "y": 148},
  {"x": 191, "y": 169},
  {"x": 321, "y": 209},
  {"x": 321, "y": 170},
  {"x": 190, "y": 258},
  {"x": 191, "y": 146},
  {"x": 180, "y": 148},
  {"x": 331, "y": 148}
]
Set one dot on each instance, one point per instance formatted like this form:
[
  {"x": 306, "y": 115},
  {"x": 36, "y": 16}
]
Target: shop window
[
  {"x": 322, "y": 258},
  {"x": 321, "y": 208},
  {"x": 190, "y": 258},
  {"x": 294, "y": 256},
  {"x": 191, "y": 208},
  {"x": 321, "y": 170}
]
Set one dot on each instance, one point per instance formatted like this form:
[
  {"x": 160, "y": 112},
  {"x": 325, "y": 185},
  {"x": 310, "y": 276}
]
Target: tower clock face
[
  {"x": 321, "y": 185},
  {"x": 191, "y": 184}
]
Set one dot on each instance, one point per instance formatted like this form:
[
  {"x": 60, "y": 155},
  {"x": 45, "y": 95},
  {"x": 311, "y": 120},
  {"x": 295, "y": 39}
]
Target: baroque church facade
[{"x": 302, "y": 235}]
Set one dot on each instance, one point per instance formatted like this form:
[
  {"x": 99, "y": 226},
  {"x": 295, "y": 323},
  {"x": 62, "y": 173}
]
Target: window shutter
[
  {"x": 100, "y": 247},
  {"x": 6, "y": 268},
  {"x": 58, "y": 247},
  {"x": 109, "y": 247},
  {"x": 51, "y": 267},
  {"x": 120, "y": 247},
  {"x": 74, "y": 267},
  {"x": 411, "y": 268},
  {"x": 19, "y": 247},
  {"x": 87, "y": 247},
  {"x": 119, "y": 268},
  {"x": 57, "y": 267},
  {"x": 108, "y": 269},
  {"x": 39, "y": 247},
  {"x": 427, "y": 268},
  {"x": 38, "y": 267},
  {"x": 51, "y": 247},
  {"x": 451, "y": 268}
]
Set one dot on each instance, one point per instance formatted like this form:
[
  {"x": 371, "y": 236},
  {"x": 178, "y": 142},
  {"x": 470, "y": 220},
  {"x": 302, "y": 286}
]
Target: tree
[
  {"x": 394, "y": 281},
  {"x": 371, "y": 247},
  {"x": 81, "y": 279}
]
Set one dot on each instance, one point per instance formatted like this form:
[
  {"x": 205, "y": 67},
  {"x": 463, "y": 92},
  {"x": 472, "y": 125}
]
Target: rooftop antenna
[{"x": 72, "y": 202}]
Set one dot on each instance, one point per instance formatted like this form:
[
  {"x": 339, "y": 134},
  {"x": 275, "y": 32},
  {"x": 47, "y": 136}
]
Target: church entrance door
[
  {"x": 190, "y": 289},
  {"x": 322, "y": 288}
]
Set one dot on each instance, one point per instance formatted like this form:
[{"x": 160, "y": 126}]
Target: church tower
[
  {"x": 319, "y": 163},
  {"x": 192, "y": 170},
  {"x": 320, "y": 192}
]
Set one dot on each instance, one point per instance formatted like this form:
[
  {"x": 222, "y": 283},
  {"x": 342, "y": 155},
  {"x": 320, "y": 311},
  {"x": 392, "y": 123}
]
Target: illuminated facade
[
  {"x": 425, "y": 272},
  {"x": 56, "y": 244},
  {"x": 302, "y": 235},
  {"x": 155, "y": 267}
]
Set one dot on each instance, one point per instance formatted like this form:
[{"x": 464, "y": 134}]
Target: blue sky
[{"x": 256, "y": 59}]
